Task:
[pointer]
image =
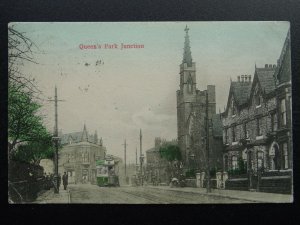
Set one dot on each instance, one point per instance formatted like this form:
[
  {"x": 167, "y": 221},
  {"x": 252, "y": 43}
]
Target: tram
[{"x": 106, "y": 172}]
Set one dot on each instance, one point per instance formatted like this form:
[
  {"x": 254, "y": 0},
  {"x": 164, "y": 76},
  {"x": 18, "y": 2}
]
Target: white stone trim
[
  {"x": 259, "y": 137},
  {"x": 234, "y": 143}
]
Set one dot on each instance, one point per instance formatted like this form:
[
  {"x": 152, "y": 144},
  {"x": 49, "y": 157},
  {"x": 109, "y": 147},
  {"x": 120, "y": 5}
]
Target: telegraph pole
[
  {"x": 56, "y": 139},
  {"x": 141, "y": 157},
  {"x": 125, "y": 145},
  {"x": 207, "y": 143}
]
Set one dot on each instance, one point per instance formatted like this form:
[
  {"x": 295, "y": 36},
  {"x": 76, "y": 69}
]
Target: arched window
[{"x": 190, "y": 84}]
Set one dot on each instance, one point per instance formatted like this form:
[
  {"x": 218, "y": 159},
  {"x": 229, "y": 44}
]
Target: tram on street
[{"x": 106, "y": 172}]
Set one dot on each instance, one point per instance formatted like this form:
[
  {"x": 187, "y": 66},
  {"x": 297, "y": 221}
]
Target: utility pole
[
  {"x": 207, "y": 143},
  {"x": 136, "y": 156},
  {"x": 141, "y": 157},
  {"x": 125, "y": 145},
  {"x": 56, "y": 140}
]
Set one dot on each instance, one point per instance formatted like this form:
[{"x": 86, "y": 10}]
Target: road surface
[{"x": 86, "y": 193}]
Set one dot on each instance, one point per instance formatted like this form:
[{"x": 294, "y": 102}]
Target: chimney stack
[
  {"x": 266, "y": 65},
  {"x": 274, "y": 66},
  {"x": 239, "y": 78},
  {"x": 242, "y": 78},
  {"x": 246, "y": 78}
]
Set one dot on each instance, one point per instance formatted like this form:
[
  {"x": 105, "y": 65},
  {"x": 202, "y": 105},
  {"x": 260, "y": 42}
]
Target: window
[
  {"x": 285, "y": 156},
  {"x": 233, "y": 134},
  {"x": 283, "y": 112},
  {"x": 260, "y": 160},
  {"x": 272, "y": 122},
  {"x": 190, "y": 84},
  {"x": 233, "y": 107},
  {"x": 257, "y": 98},
  {"x": 258, "y": 129},
  {"x": 234, "y": 162},
  {"x": 226, "y": 135},
  {"x": 246, "y": 132}
]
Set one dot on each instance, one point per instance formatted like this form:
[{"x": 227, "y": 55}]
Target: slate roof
[
  {"x": 241, "y": 91},
  {"x": 76, "y": 137},
  {"x": 217, "y": 125},
  {"x": 266, "y": 79}
]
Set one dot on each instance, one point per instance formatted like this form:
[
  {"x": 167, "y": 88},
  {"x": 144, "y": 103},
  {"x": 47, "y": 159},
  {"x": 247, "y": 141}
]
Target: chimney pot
[
  {"x": 270, "y": 65},
  {"x": 266, "y": 65},
  {"x": 242, "y": 78},
  {"x": 239, "y": 78}
]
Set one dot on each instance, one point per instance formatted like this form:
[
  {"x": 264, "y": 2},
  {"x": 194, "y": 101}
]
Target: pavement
[
  {"x": 48, "y": 196},
  {"x": 255, "y": 197}
]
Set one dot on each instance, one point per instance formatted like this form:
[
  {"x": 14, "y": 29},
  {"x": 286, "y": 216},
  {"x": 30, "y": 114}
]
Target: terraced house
[{"x": 257, "y": 136}]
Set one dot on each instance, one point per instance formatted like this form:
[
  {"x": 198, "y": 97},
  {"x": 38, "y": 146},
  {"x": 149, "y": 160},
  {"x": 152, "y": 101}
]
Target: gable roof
[
  {"x": 240, "y": 91},
  {"x": 265, "y": 78}
]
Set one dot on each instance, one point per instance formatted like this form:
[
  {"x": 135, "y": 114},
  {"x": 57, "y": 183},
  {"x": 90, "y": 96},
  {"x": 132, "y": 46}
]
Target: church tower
[{"x": 186, "y": 96}]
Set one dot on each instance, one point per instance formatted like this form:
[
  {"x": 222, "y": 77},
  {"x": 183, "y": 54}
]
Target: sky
[{"x": 133, "y": 89}]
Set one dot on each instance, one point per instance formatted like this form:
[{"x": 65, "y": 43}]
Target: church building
[{"x": 191, "y": 112}]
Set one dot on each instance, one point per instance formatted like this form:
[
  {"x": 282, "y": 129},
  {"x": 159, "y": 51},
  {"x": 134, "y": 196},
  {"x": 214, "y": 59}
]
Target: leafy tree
[
  {"x": 33, "y": 152},
  {"x": 24, "y": 123},
  {"x": 170, "y": 152}
]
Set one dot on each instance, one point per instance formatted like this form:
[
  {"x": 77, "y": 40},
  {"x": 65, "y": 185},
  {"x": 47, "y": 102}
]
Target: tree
[
  {"x": 170, "y": 152},
  {"x": 20, "y": 51},
  {"x": 33, "y": 152},
  {"x": 24, "y": 123}
]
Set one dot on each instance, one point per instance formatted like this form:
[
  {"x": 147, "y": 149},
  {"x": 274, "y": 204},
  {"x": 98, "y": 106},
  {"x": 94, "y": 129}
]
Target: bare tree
[{"x": 20, "y": 50}]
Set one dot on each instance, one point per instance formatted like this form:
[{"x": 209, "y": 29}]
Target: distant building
[
  {"x": 257, "y": 123},
  {"x": 79, "y": 154},
  {"x": 156, "y": 165},
  {"x": 191, "y": 113}
]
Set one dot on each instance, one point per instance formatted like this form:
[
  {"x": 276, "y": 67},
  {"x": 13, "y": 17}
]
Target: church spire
[
  {"x": 84, "y": 134},
  {"x": 187, "y": 55}
]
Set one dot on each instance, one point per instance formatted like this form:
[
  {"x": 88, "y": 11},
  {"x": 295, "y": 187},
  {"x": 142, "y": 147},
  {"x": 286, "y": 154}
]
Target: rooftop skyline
[{"x": 118, "y": 92}]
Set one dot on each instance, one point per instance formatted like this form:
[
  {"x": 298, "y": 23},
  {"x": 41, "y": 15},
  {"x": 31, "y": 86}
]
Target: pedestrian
[{"x": 65, "y": 180}]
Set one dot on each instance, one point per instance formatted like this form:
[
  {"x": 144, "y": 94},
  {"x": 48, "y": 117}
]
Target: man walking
[{"x": 65, "y": 180}]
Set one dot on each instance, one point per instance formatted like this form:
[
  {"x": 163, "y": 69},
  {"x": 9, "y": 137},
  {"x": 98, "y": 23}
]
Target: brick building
[
  {"x": 79, "y": 154},
  {"x": 191, "y": 106},
  {"x": 257, "y": 123}
]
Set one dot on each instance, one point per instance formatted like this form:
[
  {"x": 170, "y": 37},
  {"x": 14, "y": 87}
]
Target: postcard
[{"x": 150, "y": 112}]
